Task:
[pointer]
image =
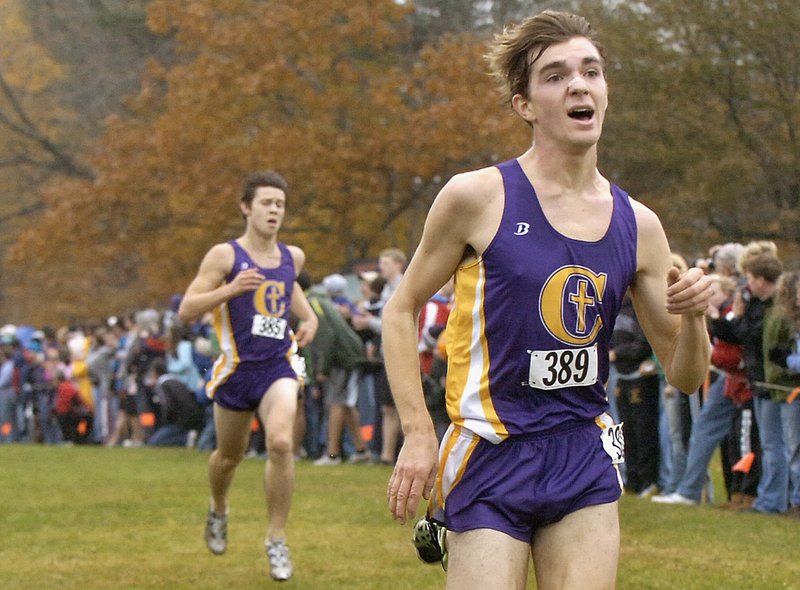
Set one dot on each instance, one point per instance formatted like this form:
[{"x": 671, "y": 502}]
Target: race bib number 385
[
  {"x": 553, "y": 369},
  {"x": 268, "y": 327}
]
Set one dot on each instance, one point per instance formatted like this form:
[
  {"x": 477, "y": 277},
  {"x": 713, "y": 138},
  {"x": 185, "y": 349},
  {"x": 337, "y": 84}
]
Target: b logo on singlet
[
  {"x": 268, "y": 298},
  {"x": 568, "y": 304},
  {"x": 522, "y": 228}
]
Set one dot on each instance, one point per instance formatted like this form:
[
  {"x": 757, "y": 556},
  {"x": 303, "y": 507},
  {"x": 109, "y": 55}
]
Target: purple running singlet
[
  {"x": 527, "y": 345},
  {"x": 255, "y": 339}
]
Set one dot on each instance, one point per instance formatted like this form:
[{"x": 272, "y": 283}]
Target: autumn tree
[
  {"x": 367, "y": 115},
  {"x": 64, "y": 66},
  {"x": 332, "y": 95},
  {"x": 705, "y": 115},
  {"x": 32, "y": 124}
]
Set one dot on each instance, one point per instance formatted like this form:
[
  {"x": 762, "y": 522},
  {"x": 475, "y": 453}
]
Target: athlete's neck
[
  {"x": 260, "y": 245},
  {"x": 565, "y": 172}
]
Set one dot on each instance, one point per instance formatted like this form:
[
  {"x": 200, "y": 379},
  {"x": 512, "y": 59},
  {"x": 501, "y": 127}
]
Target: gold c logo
[
  {"x": 267, "y": 298},
  {"x": 569, "y": 302}
]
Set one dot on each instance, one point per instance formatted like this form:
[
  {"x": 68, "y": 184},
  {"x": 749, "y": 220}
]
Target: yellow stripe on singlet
[
  {"x": 228, "y": 359},
  {"x": 454, "y": 456},
  {"x": 469, "y": 398}
]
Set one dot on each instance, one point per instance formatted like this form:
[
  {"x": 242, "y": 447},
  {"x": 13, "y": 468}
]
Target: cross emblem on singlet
[
  {"x": 267, "y": 298},
  {"x": 273, "y": 297},
  {"x": 581, "y": 300}
]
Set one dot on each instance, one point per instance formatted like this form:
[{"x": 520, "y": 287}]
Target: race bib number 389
[
  {"x": 268, "y": 327},
  {"x": 553, "y": 369}
]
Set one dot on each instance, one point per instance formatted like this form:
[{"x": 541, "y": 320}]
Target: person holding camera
[{"x": 751, "y": 306}]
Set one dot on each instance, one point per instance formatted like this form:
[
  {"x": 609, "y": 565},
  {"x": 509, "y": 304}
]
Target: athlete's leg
[
  {"x": 300, "y": 425},
  {"x": 233, "y": 435},
  {"x": 390, "y": 428},
  {"x": 486, "y": 559},
  {"x": 277, "y": 412},
  {"x": 335, "y": 429},
  {"x": 579, "y": 552},
  {"x": 353, "y": 421}
]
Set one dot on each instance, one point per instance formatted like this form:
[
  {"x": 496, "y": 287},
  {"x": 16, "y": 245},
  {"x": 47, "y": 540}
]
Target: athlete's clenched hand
[
  {"x": 306, "y": 331},
  {"x": 249, "y": 279},
  {"x": 688, "y": 293}
]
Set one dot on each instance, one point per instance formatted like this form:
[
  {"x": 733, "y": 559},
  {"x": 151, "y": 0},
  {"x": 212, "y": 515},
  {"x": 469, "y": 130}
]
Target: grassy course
[{"x": 92, "y": 518}]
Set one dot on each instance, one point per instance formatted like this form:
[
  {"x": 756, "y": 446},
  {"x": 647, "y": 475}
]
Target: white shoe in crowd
[
  {"x": 674, "y": 498},
  {"x": 649, "y": 492},
  {"x": 326, "y": 460},
  {"x": 359, "y": 457}
]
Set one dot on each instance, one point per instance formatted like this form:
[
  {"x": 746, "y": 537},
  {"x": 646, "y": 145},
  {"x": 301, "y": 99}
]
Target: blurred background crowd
[{"x": 138, "y": 379}]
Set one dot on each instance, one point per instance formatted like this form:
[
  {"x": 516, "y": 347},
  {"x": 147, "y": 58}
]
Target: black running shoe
[{"x": 429, "y": 539}]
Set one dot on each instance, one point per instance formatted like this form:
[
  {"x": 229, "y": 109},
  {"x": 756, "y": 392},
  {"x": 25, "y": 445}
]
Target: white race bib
[
  {"x": 554, "y": 369},
  {"x": 268, "y": 327},
  {"x": 614, "y": 443}
]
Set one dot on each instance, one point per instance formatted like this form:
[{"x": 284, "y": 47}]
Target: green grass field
[{"x": 93, "y": 518}]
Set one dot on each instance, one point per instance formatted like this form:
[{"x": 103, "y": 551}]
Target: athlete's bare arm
[
  {"x": 462, "y": 220},
  {"x": 670, "y": 307},
  {"x": 300, "y": 305},
  {"x": 208, "y": 289}
]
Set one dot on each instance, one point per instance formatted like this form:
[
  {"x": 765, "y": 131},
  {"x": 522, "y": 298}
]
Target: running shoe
[
  {"x": 674, "y": 498},
  {"x": 650, "y": 491},
  {"x": 327, "y": 460},
  {"x": 217, "y": 532},
  {"x": 359, "y": 457},
  {"x": 280, "y": 565},
  {"x": 430, "y": 540}
]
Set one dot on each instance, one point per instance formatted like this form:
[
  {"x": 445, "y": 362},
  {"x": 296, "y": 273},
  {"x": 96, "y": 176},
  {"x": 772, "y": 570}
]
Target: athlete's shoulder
[
  {"x": 217, "y": 264},
  {"x": 646, "y": 219},
  {"x": 475, "y": 181},
  {"x": 298, "y": 256},
  {"x": 651, "y": 244},
  {"x": 220, "y": 255},
  {"x": 473, "y": 189}
]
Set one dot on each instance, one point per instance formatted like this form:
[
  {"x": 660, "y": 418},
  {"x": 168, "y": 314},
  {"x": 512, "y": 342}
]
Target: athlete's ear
[
  {"x": 523, "y": 107},
  {"x": 244, "y": 208}
]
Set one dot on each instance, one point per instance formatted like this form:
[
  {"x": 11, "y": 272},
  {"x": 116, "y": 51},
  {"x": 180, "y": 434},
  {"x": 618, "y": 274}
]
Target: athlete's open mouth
[{"x": 581, "y": 113}]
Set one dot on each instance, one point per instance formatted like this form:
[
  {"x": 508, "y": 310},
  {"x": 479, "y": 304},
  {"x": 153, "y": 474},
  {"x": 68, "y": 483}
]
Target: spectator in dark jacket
[
  {"x": 750, "y": 308},
  {"x": 181, "y": 413},
  {"x": 637, "y": 395}
]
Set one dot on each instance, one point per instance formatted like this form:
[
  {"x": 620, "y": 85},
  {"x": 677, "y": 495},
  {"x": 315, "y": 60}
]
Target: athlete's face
[
  {"x": 567, "y": 94},
  {"x": 265, "y": 213}
]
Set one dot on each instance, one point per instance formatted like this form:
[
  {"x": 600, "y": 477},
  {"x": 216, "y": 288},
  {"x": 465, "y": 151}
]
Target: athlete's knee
[
  {"x": 226, "y": 460},
  {"x": 280, "y": 443}
]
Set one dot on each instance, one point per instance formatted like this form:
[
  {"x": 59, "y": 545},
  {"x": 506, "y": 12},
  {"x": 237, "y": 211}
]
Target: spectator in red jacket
[{"x": 74, "y": 417}]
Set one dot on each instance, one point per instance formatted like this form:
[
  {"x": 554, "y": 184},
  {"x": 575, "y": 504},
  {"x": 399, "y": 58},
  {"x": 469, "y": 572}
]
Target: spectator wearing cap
[
  {"x": 38, "y": 386},
  {"x": 23, "y": 402},
  {"x": 336, "y": 287},
  {"x": 100, "y": 365},
  {"x": 432, "y": 321},
  {"x": 181, "y": 414},
  {"x": 73, "y": 415},
  {"x": 434, "y": 313},
  {"x": 726, "y": 261},
  {"x": 339, "y": 380},
  {"x": 391, "y": 265},
  {"x": 7, "y": 393}
]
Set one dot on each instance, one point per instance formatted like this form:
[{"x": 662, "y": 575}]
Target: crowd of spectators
[
  {"x": 126, "y": 380},
  {"x": 746, "y": 409},
  {"x": 139, "y": 379}
]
